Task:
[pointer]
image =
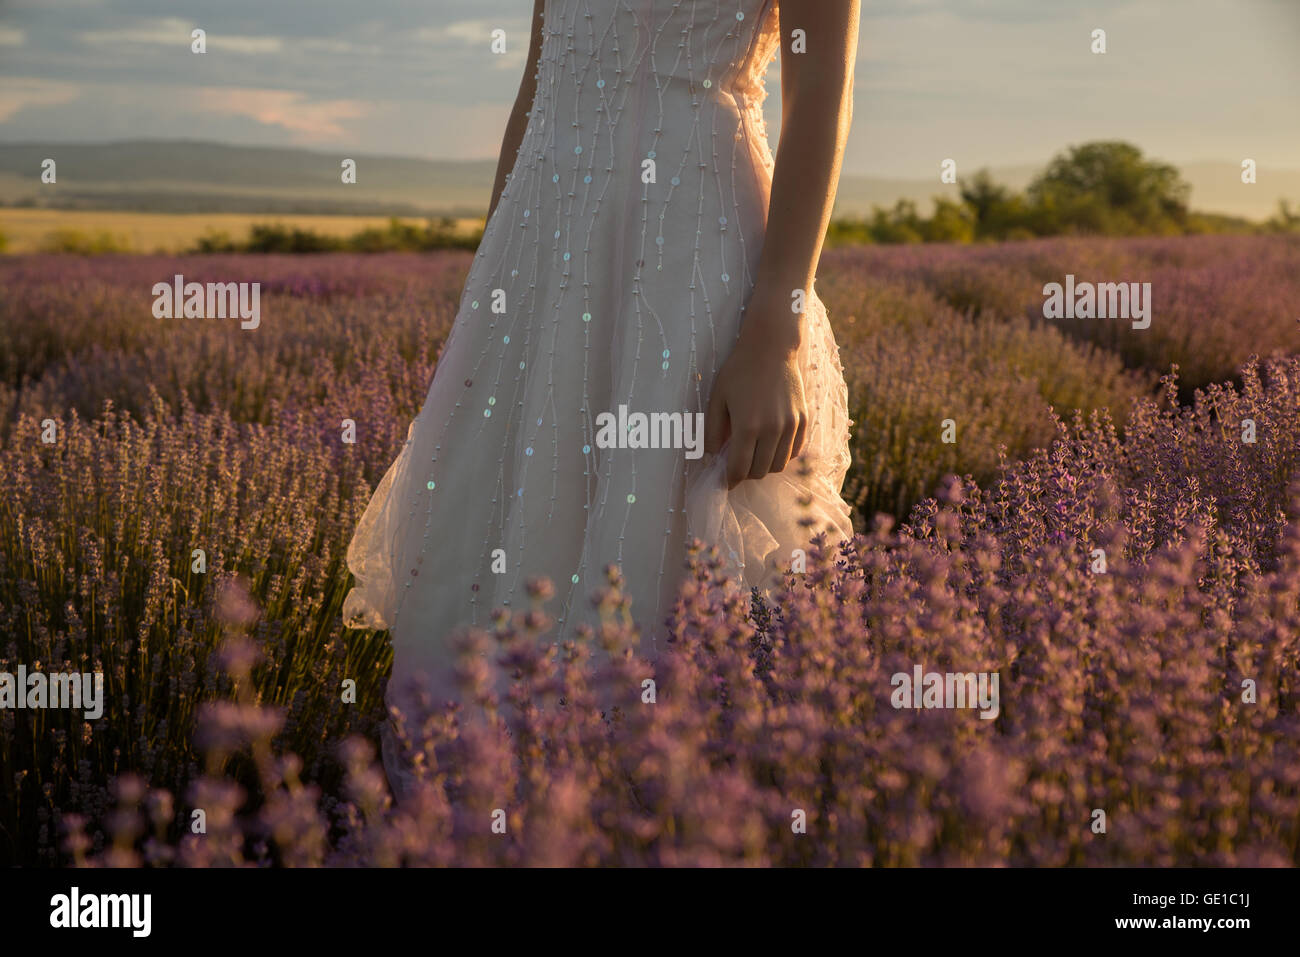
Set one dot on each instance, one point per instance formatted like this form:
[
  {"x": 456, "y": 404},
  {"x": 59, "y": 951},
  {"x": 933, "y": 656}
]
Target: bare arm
[
  {"x": 757, "y": 401},
  {"x": 518, "y": 121},
  {"x": 816, "y": 111}
]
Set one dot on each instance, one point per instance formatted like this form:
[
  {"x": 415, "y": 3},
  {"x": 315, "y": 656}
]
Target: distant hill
[{"x": 187, "y": 176}]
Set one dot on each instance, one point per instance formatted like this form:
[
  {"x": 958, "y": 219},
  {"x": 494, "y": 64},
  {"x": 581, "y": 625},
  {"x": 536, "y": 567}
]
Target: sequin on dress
[{"x": 593, "y": 289}]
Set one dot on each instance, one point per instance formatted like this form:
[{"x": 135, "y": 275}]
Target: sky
[{"x": 991, "y": 82}]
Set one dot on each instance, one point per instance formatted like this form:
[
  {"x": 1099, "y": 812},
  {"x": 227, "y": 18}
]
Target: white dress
[{"x": 594, "y": 288}]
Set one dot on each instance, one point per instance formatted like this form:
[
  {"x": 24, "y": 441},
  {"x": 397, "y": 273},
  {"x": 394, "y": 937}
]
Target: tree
[
  {"x": 1108, "y": 187},
  {"x": 1285, "y": 221},
  {"x": 998, "y": 212},
  {"x": 951, "y": 222}
]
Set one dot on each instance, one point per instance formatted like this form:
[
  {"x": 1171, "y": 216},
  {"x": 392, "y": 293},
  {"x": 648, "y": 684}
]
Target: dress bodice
[{"x": 620, "y": 66}]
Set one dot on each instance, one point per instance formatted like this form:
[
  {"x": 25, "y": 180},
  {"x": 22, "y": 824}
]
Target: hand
[{"x": 757, "y": 400}]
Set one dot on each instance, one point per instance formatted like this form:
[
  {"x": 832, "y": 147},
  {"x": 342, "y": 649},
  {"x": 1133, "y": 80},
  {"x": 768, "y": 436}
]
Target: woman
[{"x": 643, "y": 254}]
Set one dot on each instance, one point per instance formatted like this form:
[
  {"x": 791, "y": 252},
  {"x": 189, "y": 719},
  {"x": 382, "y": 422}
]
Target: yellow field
[{"x": 27, "y": 230}]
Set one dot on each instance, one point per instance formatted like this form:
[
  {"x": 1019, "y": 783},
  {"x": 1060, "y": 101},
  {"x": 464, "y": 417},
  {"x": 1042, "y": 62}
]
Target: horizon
[
  {"x": 473, "y": 160},
  {"x": 392, "y": 184}
]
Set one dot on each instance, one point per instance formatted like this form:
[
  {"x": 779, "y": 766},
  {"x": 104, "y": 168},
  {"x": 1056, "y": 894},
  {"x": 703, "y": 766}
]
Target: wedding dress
[{"x": 614, "y": 272}]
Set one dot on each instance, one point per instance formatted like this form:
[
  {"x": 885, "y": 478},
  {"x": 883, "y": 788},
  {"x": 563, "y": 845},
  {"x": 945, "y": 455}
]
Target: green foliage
[
  {"x": 1285, "y": 221},
  {"x": 997, "y": 210},
  {"x": 951, "y": 222},
  {"x": 276, "y": 238},
  {"x": 396, "y": 236},
  {"x": 80, "y": 243},
  {"x": 216, "y": 241},
  {"x": 1200, "y": 224},
  {"x": 1097, "y": 189},
  {"x": 399, "y": 236},
  {"x": 1108, "y": 189}
]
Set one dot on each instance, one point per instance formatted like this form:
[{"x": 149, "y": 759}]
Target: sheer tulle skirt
[{"x": 614, "y": 273}]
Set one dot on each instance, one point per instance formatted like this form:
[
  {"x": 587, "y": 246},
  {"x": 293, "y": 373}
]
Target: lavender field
[{"x": 1115, "y": 532}]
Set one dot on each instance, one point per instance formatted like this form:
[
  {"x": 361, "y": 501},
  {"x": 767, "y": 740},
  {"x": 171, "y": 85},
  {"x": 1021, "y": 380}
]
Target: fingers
[
  {"x": 800, "y": 437},
  {"x": 764, "y": 449},
  {"x": 772, "y": 451},
  {"x": 784, "y": 448},
  {"x": 740, "y": 457},
  {"x": 776, "y": 437}
]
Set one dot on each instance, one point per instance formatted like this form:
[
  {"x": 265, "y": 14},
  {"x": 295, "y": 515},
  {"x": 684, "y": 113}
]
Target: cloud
[
  {"x": 10, "y": 37},
  {"x": 287, "y": 109},
  {"x": 476, "y": 36},
  {"x": 173, "y": 31},
  {"x": 466, "y": 32},
  {"x": 336, "y": 46},
  {"x": 19, "y": 92}
]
